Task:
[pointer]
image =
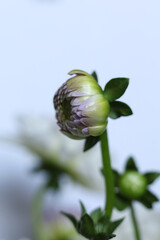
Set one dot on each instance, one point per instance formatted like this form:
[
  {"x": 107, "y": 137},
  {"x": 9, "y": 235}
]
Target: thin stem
[
  {"x": 135, "y": 225},
  {"x": 37, "y": 216},
  {"x": 108, "y": 174}
]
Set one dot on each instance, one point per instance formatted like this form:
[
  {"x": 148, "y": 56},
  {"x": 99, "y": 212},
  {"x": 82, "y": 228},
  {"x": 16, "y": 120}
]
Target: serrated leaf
[
  {"x": 83, "y": 210},
  {"x": 131, "y": 165},
  {"x": 86, "y": 226},
  {"x": 115, "y": 88},
  {"x": 71, "y": 218},
  {"x": 102, "y": 225},
  {"x": 90, "y": 142},
  {"x": 148, "y": 199},
  {"x": 121, "y": 203},
  {"x": 103, "y": 236},
  {"x": 114, "y": 225},
  {"x": 94, "y": 74},
  {"x": 96, "y": 215},
  {"x": 151, "y": 176},
  {"x": 119, "y": 109}
]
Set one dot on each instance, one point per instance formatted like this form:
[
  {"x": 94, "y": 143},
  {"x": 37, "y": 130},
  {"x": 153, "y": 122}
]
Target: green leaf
[
  {"x": 148, "y": 199},
  {"x": 90, "y": 142},
  {"x": 102, "y": 225},
  {"x": 86, "y": 226},
  {"x": 131, "y": 165},
  {"x": 115, "y": 88},
  {"x": 151, "y": 176},
  {"x": 71, "y": 218},
  {"x": 119, "y": 109},
  {"x": 94, "y": 74},
  {"x": 121, "y": 203},
  {"x": 114, "y": 225},
  {"x": 83, "y": 210},
  {"x": 96, "y": 215},
  {"x": 103, "y": 236}
]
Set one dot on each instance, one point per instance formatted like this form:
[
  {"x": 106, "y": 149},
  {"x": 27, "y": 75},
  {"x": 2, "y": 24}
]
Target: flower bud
[
  {"x": 132, "y": 184},
  {"x": 81, "y": 108}
]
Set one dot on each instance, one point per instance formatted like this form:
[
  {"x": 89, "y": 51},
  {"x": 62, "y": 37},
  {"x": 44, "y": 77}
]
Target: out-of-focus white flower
[{"x": 40, "y": 135}]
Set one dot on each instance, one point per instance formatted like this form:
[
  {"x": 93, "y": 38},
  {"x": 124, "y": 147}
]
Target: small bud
[
  {"x": 132, "y": 184},
  {"x": 81, "y": 108}
]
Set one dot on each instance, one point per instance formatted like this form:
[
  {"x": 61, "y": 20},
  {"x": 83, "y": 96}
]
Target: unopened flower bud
[
  {"x": 81, "y": 108},
  {"x": 132, "y": 184}
]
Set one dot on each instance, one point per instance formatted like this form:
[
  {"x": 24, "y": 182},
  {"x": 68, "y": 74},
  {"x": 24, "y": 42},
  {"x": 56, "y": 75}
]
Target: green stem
[
  {"x": 108, "y": 174},
  {"x": 135, "y": 225},
  {"x": 37, "y": 216}
]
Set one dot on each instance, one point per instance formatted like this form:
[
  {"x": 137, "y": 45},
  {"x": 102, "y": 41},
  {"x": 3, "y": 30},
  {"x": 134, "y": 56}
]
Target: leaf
[
  {"x": 96, "y": 215},
  {"x": 94, "y": 74},
  {"x": 114, "y": 225},
  {"x": 131, "y": 165},
  {"x": 86, "y": 226},
  {"x": 148, "y": 199},
  {"x": 119, "y": 109},
  {"x": 151, "y": 176},
  {"x": 71, "y": 218},
  {"x": 83, "y": 210},
  {"x": 121, "y": 203},
  {"x": 90, "y": 142},
  {"x": 115, "y": 88}
]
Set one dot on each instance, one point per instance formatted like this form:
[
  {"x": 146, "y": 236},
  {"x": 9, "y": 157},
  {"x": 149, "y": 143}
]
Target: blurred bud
[
  {"x": 132, "y": 184},
  {"x": 81, "y": 108}
]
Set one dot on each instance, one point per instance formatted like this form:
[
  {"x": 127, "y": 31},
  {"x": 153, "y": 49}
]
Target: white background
[{"x": 42, "y": 40}]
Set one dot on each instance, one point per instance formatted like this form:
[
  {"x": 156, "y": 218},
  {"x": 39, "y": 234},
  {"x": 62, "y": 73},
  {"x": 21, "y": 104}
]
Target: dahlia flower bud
[{"x": 81, "y": 108}]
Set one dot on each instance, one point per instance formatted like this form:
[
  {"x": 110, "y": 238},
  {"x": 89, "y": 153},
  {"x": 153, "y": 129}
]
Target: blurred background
[{"x": 40, "y": 42}]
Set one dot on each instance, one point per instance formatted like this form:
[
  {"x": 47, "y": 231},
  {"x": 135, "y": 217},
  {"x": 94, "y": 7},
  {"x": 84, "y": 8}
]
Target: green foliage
[
  {"x": 83, "y": 210},
  {"x": 119, "y": 109},
  {"x": 86, "y": 226},
  {"x": 121, "y": 203},
  {"x": 90, "y": 142},
  {"x": 94, "y": 74},
  {"x": 115, "y": 88},
  {"x": 151, "y": 176},
  {"x": 131, "y": 165},
  {"x": 148, "y": 199},
  {"x": 96, "y": 226}
]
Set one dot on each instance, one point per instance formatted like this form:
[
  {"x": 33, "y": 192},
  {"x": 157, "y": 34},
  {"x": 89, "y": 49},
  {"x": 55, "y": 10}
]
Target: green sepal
[
  {"x": 119, "y": 109},
  {"x": 94, "y": 74},
  {"x": 103, "y": 236},
  {"x": 148, "y": 199},
  {"x": 116, "y": 176},
  {"x": 83, "y": 210},
  {"x": 114, "y": 225},
  {"x": 90, "y": 142},
  {"x": 115, "y": 88},
  {"x": 151, "y": 176},
  {"x": 103, "y": 225},
  {"x": 131, "y": 165},
  {"x": 96, "y": 215},
  {"x": 86, "y": 226},
  {"x": 71, "y": 218},
  {"x": 121, "y": 203}
]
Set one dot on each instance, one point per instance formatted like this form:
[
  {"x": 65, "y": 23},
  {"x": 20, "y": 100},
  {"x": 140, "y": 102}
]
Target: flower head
[{"x": 81, "y": 108}]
